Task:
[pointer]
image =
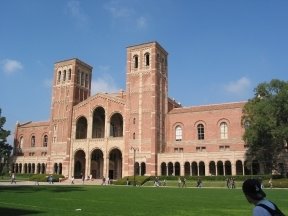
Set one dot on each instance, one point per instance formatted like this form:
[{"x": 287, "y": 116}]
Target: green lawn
[{"x": 128, "y": 200}]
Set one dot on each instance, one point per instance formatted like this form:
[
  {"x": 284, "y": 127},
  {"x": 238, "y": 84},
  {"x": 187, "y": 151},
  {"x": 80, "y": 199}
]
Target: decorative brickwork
[{"x": 140, "y": 129}]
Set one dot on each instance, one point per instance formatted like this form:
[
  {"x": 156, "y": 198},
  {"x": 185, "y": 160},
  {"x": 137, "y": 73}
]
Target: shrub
[{"x": 139, "y": 180}]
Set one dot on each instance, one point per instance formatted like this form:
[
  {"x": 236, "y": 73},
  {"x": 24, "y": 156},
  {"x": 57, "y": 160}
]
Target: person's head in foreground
[{"x": 253, "y": 191}]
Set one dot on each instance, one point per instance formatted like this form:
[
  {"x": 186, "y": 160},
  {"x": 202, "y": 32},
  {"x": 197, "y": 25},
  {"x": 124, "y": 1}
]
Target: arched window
[
  {"x": 116, "y": 125},
  {"x": 134, "y": 136},
  {"x": 78, "y": 77},
  {"x": 223, "y": 130},
  {"x": 135, "y": 59},
  {"x": 201, "y": 132},
  {"x": 178, "y": 133},
  {"x": 134, "y": 120},
  {"x": 45, "y": 141},
  {"x": 82, "y": 79},
  {"x": 21, "y": 142},
  {"x": 69, "y": 74},
  {"x": 33, "y": 141},
  {"x": 81, "y": 128},
  {"x": 98, "y": 127},
  {"x": 147, "y": 59},
  {"x": 64, "y": 75},
  {"x": 59, "y": 76}
]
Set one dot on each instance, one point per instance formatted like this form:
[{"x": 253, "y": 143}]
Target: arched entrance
[
  {"x": 143, "y": 169},
  {"x": 170, "y": 169},
  {"x": 177, "y": 169},
  {"x": 97, "y": 163},
  {"x": 228, "y": 168},
  {"x": 163, "y": 169},
  {"x": 194, "y": 168},
  {"x": 79, "y": 164},
  {"x": 186, "y": 169},
  {"x": 239, "y": 167},
  {"x": 201, "y": 168},
  {"x": 212, "y": 168},
  {"x": 115, "y": 164},
  {"x": 220, "y": 169}
]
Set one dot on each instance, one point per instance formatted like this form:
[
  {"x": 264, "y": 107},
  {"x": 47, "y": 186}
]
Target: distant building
[{"x": 104, "y": 134}]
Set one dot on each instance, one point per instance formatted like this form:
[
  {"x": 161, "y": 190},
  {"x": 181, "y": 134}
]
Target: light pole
[{"x": 134, "y": 151}]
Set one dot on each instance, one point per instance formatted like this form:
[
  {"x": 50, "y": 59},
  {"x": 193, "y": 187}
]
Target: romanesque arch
[
  {"x": 177, "y": 169},
  {"x": 194, "y": 168},
  {"x": 143, "y": 169},
  {"x": 220, "y": 169},
  {"x": 228, "y": 168},
  {"x": 116, "y": 125},
  {"x": 97, "y": 164},
  {"x": 201, "y": 168},
  {"x": 239, "y": 167},
  {"x": 115, "y": 164},
  {"x": 163, "y": 169},
  {"x": 79, "y": 164},
  {"x": 81, "y": 128},
  {"x": 136, "y": 168},
  {"x": 212, "y": 168},
  {"x": 187, "y": 169},
  {"x": 98, "y": 127}
]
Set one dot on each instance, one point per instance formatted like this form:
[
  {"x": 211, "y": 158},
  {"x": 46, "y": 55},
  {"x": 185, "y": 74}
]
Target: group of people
[
  {"x": 252, "y": 189},
  {"x": 182, "y": 182},
  {"x": 157, "y": 182},
  {"x": 230, "y": 183}
]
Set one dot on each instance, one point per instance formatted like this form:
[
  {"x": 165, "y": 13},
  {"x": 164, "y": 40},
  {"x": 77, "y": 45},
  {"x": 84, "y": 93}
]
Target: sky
[{"x": 219, "y": 50}]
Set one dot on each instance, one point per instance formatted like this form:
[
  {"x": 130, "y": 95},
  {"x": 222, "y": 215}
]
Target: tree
[
  {"x": 5, "y": 148},
  {"x": 265, "y": 118}
]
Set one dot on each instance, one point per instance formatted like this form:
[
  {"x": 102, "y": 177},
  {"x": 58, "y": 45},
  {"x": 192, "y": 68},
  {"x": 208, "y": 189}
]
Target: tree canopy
[
  {"x": 5, "y": 148},
  {"x": 265, "y": 118}
]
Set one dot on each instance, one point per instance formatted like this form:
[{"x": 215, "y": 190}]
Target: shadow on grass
[
  {"x": 17, "y": 212},
  {"x": 32, "y": 189}
]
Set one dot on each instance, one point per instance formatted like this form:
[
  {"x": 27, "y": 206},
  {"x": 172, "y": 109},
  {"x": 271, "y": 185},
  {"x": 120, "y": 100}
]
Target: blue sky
[{"x": 219, "y": 50}]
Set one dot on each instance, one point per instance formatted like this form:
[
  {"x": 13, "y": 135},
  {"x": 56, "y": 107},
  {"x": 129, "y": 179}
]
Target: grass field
[{"x": 128, "y": 200}]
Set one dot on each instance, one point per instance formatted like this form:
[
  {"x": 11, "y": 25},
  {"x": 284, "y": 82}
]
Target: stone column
[
  {"x": 167, "y": 170},
  {"x": 233, "y": 167}
]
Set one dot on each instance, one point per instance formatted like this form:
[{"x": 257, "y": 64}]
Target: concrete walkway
[{"x": 66, "y": 182}]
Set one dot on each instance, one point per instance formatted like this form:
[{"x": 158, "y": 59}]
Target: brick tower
[
  {"x": 71, "y": 85},
  {"x": 146, "y": 106}
]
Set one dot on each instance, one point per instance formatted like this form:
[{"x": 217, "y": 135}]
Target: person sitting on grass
[{"x": 255, "y": 195}]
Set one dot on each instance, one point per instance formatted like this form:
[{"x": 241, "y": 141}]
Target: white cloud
[
  {"x": 10, "y": 66},
  {"x": 103, "y": 84},
  {"x": 141, "y": 22},
  {"x": 238, "y": 87},
  {"x": 75, "y": 10},
  {"x": 117, "y": 10}
]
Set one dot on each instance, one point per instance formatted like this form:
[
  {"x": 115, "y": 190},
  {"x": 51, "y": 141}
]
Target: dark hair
[{"x": 252, "y": 188}]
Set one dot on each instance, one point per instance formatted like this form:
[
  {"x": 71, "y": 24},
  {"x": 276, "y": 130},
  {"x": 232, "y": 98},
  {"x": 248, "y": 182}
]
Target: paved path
[{"x": 66, "y": 182}]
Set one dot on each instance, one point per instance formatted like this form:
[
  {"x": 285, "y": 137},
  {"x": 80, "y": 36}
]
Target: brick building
[{"x": 106, "y": 134}]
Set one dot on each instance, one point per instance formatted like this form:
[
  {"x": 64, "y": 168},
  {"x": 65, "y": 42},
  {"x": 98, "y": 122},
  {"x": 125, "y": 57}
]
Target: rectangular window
[
  {"x": 177, "y": 150},
  {"x": 224, "y": 148},
  {"x": 78, "y": 77},
  {"x": 200, "y": 149}
]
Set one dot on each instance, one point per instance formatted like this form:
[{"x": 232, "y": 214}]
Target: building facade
[{"x": 140, "y": 129}]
